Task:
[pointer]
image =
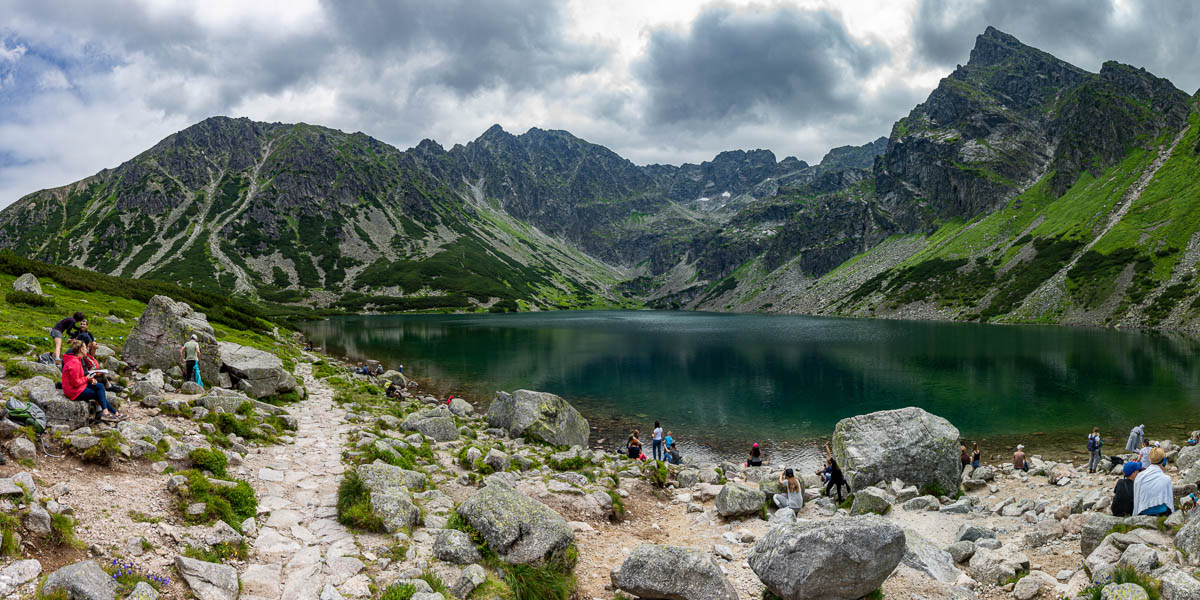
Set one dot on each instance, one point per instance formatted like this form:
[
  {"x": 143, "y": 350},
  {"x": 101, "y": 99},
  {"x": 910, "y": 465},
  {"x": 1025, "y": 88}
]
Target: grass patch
[
  {"x": 28, "y": 299},
  {"x": 354, "y": 505},
  {"x": 219, "y": 553},
  {"x": 399, "y": 591},
  {"x": 435, "y": 582},
  {"x": 105, "y": 451},
  {"x": 618, "y": 505},
  {"x": 213, "y": 461},
  {"x": 62, "y": 532},
  {"x": 656, "y": 473},
  {"x": 230, "y": 504},
  {"x": 1152, "y": 586},
  {"x": 8, "y": 536}
]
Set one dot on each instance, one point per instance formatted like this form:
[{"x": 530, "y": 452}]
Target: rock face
[
  {"x": 257, "y": 373},
  {"x": 516, "y": 527},
  {"x": 83, "y": 581},
  {"x": 28, "y": 283},
  {"x": 839, "y": 559},
  {"x": 738, "y": 499},
  {"x": 208, "y": 581},
  {"x": 672, "y": 573},
  {"x": 162, "y": 330},
  {"x": 907, "y": 444},
  {"x": 543, "y": 416}
]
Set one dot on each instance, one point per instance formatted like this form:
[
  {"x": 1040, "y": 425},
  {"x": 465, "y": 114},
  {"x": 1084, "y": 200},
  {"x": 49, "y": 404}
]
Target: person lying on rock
[
  {"x": 1152, "y": 494},
  {"x": 1122, "y": 504},
  {"x": 793, "y": 496},
  {"x": 78, "y": 386}
]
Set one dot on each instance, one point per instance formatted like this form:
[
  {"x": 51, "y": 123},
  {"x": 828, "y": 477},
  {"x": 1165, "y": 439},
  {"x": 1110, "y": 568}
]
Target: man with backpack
[
  {"x": 1093, "y": 445},
  {"x": 189, "y": 353}
]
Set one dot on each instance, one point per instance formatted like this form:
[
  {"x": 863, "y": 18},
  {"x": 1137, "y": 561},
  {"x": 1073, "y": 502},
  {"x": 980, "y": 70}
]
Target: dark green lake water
[{"x": 720, "y": 382}]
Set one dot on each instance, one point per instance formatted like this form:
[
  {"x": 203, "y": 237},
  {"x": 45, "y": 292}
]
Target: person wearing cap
[
  {"x": 1152, "y": 493},
  {"x": 793, "y": 492},
  {"x": 755, "y": 459},
  {"x": 189, "y": 353},
  {"x": 1019, "y": 459},
  {"x": 1122, "y": 503}
]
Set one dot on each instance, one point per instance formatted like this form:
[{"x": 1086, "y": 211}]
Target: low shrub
[
  {"x": 219, "y": 553},
  {"x": 213, "y": 461},
  {"x": 618, "y": 504},
  {"x": 105, "y": 451},
  {"x": 230, "y": 504},
  {"x": 8, "y": 536},
  {"x": 13, "y": 345},
  {"x": 570, "y": 464},
  {"x": 28, "y": 299},
  {"x": 354, "y": 504},
  {"x": 399, "y": 591},
  {"x": 62, "y": 532}
]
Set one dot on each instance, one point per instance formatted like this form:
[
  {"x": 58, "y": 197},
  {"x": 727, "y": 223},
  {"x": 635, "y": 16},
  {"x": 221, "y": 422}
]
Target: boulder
[
  {"x": 28, "y": 283},
  {"x": 672, "y": 573},
  {"x": 59, "y": 410},
  {"x": 208, "y": 581},
  {"x": 17, "y": 574},
  {"x": 837, "y": 559},
  {"x": 162, "y": 329},
  {"x": 461, "y": 407},
  {"x": 907, "y": 444},
  {"x": 1177, "y": 585},
  {"x": 922, "y": 555},
  {"x": 497, "y": 460},
  {"x": 738, "y": 499},
  {"x": 257, "y": 373},
  {"x": 541, "y": 415},
  {"x": 22, "y": 449},
  {"x": 83, "y": 580},
  {"x": 454, "y": 546},
  {"x": 191, "y": 388},
  {"x": 1033, "y": 584},
  {"x": 1188, "y": 539},
  {"x": 103, "y": 352},
  {"x": 144, "y": 389},
  {"x": 517, "y": 528},
  {"x": 997, "y": 566},
  {"x": 471, "y": 578},
  {"x": 871, "y": 500},
  {"x": 391, "y": 499},
  {"x": 961, "y": 551},
  {"x": 922, "y": 503},
  {"x": 1098, "y": 525},
  {"x": 1188, "y": 456},
  {"x": 970, "y": 533},
  {"x": 434, "y": 423},
  {"x": 1123, "y": 591}
]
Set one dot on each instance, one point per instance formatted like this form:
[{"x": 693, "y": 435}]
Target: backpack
[
  {"x": 27, "y": 413},
  {"x": 1091, "y": 445},
  {"x": 46, "y": 359}
]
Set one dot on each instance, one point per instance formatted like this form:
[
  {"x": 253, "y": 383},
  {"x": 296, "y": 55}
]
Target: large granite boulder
[
  {"x": 908, "y": 444},
  {"x": 208, "y": 581},
  {"x": 28, "y": 283},
  {"x": 436, "y": 423},
  {"x": 738, "y": 499},
  {"x": 997, "y": 566},
  {"x": 1188, "y": 539},
  {"x": 928, "y": 558},
  {"x": 162, "y": 330},
  {"x": 59, "y": 410},
  {"x": 391, "y": 495},
  {"x": 672, "y": 573},
  {"x": 83, "y": 580},
  {"x": 543, "y": 416},
  {"x": 837, "y": 559},
  {"x": 256, "y": 372},
  {"x": 517, "y": 528}
]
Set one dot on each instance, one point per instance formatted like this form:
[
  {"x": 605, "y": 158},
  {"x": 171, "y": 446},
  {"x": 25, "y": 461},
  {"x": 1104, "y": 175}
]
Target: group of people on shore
[{"x": 662, "y": 446}]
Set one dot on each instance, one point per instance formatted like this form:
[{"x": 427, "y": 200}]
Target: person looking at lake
[
  {"x": 656, "y": 441},
  {"x": 1093, "y": 446},
  {"x": 825, "y": 472},
  {"x": 755, "y": 459},
  {"x": 793, "y": 492},
  {"x": 975, "y": 462},
  {"x": 68, "y": 327},
  {"x": 668, "y": 441},
  {"x": 1019, "y": 462},
  {"x": 964, "y": 457},
  {"x": 1152, "y": 494},
  {"x": 1136, "y": 436},
  {"x": 673, "y": 452},
  {"x": 1144, "y": 454},
  {"x": 836, "y": 478},
  {"x": 633, "y": 447},
  {"x": 1122, "y": 503}
]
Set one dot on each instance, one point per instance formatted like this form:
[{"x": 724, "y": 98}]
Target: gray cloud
[
  {"x": 755, "y": 63},
  {"x": 1160, "y": 36}
]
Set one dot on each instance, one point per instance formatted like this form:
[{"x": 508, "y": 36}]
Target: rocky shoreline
[{"x": 341, "y": 492}]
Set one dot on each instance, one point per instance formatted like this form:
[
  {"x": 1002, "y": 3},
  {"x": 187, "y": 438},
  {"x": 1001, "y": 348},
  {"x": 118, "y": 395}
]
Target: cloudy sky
[{"x": 86, "y": 85}]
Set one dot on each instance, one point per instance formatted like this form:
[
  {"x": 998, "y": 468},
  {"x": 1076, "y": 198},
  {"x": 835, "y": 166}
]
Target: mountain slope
[{"x": 1023, "y": 189}]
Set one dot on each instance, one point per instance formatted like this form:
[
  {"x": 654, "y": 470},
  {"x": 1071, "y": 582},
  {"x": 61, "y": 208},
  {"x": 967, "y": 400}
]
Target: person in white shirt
[{"x": 658, "y": 450}]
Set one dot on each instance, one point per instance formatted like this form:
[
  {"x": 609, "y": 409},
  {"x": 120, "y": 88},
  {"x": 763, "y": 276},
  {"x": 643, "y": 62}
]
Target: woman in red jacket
[{"x": 78, "y": 386}]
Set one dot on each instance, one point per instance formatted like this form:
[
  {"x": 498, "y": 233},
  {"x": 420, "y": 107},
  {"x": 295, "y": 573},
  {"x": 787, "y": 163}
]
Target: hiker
[
  {"x": 77, "y": 386},
  {"x": 975, "y": 462},
  {"x": 674, "y": 457},
  {"x": 67, "y": 327},
  {"x": 1122, "y": 502},
  {"x": 392, "y": 391},
  {"x": 964, "y": 458},
  {"x": 1135, "y": 438},
  {"x": 1019, "y": 461},
  {"x": 836, "y": 478},
  {"x": 633, "y": 447},
  {"x": 656, "y": 442},
  {"x": 1195, "y": 439},
  {"x": 825, "y": 472},
  {"x": 793, "y": 492},
  {"x": 83, "y": 334},
  {"x": 400, "y": 369},
  {"x": 1152, "y": 493},
  {"x": 189, "y": 353},
  {"x": 1093, "y": 446},
  {"x": 91, "y": 365},
  {"x": 668, "y": 441},
  {"x": 755, "y": 459},
  {"x": 1144, "y": 454}
]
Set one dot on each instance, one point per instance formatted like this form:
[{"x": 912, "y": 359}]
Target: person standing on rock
[
  {"x": 793, "y": 493},
  {"x": 1093, "y": 446},
  {"x": 1135, "y": 438},
  {"x": 1019, "y": 462},
  {"x": 656, "y": 441},
  {"x": 1122, "y": 503},
  {"x": 1152, "y": 492},
  {"x": 68, "y": 327},
  {"x": 189, "y": 353}
]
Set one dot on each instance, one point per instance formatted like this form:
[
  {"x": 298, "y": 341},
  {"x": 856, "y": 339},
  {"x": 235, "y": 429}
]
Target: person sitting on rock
[
  {"x": 673, "y": 455},
  {"x": 1195, "y": 439},
  {"x": 68, "y": 327},
  {"x": 836, "y": 478},
  {"x": 793, "y": 492},
  {"x": 633, "y": 447},
  {"x": 78, "y": 386},
  {"x": 1019, "y": 461},
  {"x": 83, "y": 334},
  {"x": 756, "y": 459},
  {"x": 392, "y": 391},
  {"x": 1122, "y": 503},
  {"x": 1152, "y": 492},
  {"x": 964, "y": 457},
  {"x": 975, "y": 462},
  {"x": 91, "y": 364}
]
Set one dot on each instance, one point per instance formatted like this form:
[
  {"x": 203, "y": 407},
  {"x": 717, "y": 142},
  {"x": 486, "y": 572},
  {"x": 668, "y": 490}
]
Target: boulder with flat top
[
  {"x": 907, "y": 444},
  {"x": 258, "y": 373},
  {"x": 162, "y": 330},
  {"x": 540, "y": 415}
]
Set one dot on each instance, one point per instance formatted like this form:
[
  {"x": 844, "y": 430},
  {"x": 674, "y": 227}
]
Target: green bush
[
  {"x": 62, "y": 532},
  {"x": 13, "y": 345},
  {"x": 354, "y": 504},
  {"x": 618, "y": 505},
  {"x": 213, "y": 461},
  {"x": 570, "y": 464},
  {"x": 105, "y": 451},
  {"x": 1121, "y": 575},
  {"x": 656, "y": 473},
  {"x": 219, "y": 553},
  {"x": 230, "y": 504},
  {"x": 28, "y": 299},
  {"x": 399, "y": 591}
]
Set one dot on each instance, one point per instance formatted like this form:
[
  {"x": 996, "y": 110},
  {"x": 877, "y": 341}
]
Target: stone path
[{"x": 302, "y": 552}]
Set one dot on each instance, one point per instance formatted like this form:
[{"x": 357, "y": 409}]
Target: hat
[
  {"x": 755, "y": 444},
  {"x": 194, "y": 337},
  {"x": 1132, "y": 467},
  {"x": 1157, "y": 455},
  {"x": 1156, "y": 444},
  {"x": 788, "y": 472},
  {"x": 1020, "y": 447}
]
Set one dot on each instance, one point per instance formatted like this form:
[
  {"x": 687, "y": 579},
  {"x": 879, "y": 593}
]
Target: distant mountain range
[{"x": 1024, "y": 189}]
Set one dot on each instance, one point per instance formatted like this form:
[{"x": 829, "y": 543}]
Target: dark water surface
[{"x": 720, "y": 382}]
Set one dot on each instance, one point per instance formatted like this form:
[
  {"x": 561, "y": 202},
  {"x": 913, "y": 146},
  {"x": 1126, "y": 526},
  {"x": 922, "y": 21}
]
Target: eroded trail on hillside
[{"x": 301, "y": 548}]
